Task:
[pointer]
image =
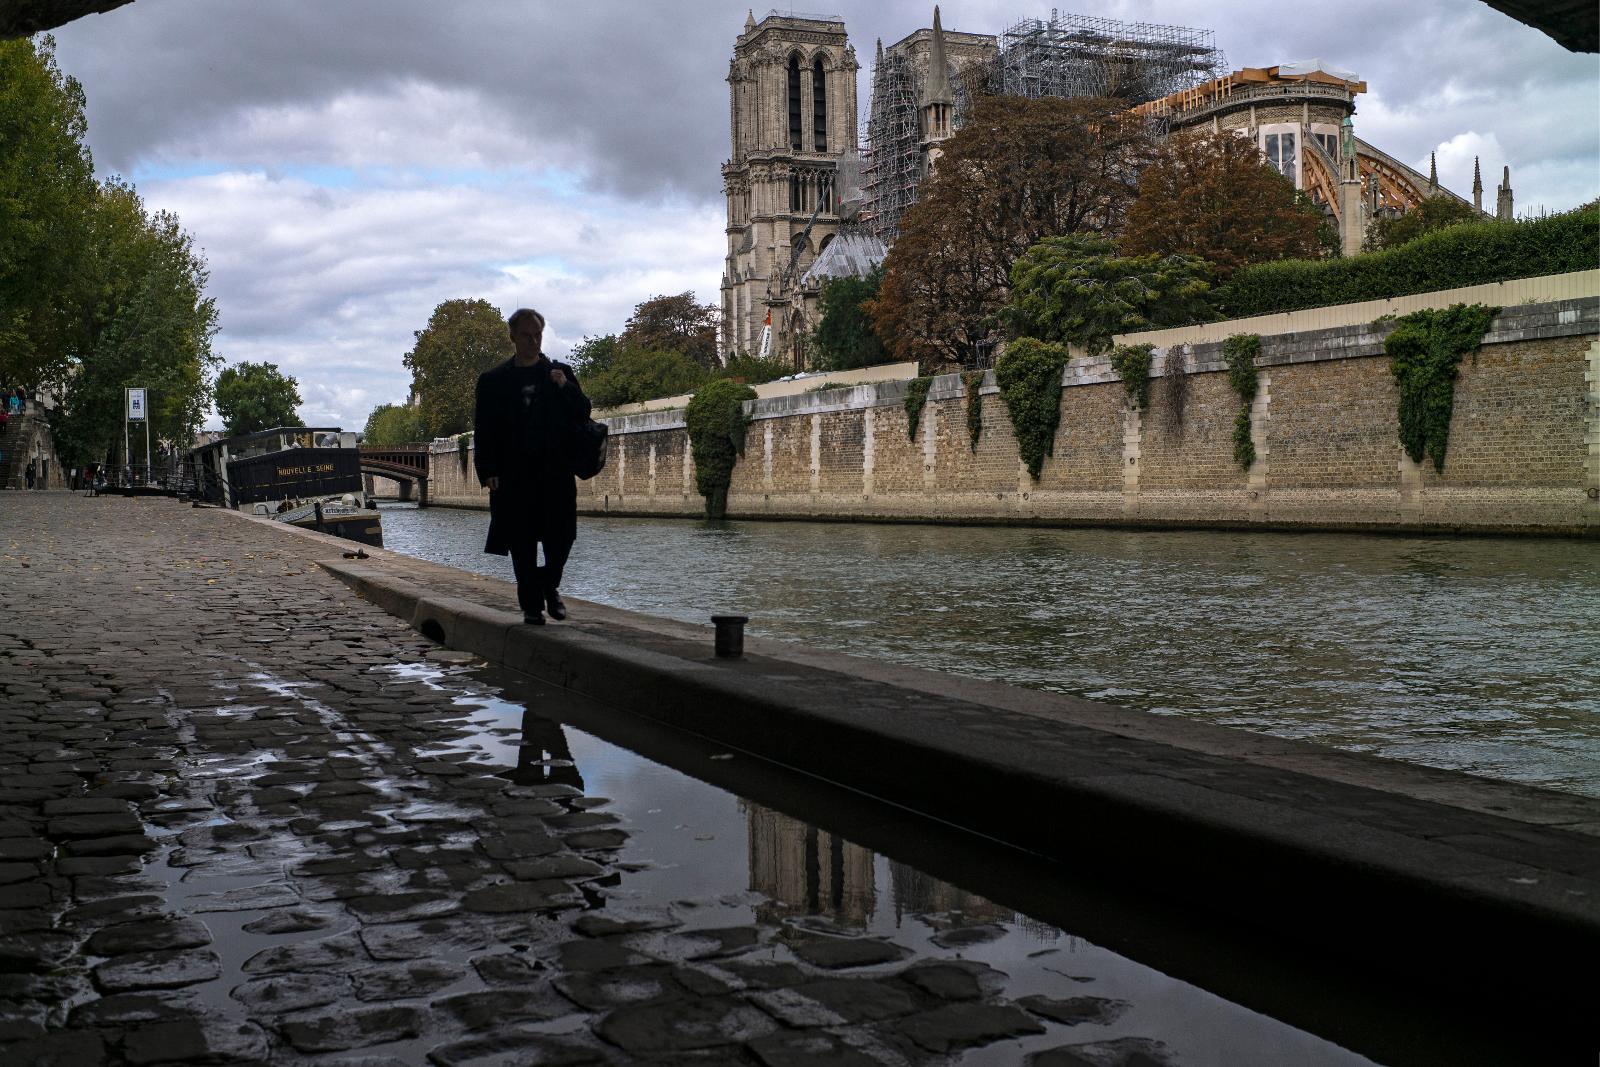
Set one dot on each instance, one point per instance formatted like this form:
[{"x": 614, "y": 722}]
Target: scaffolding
[
  {"x": 1063, "y": 56},
  {"x": 892, "y": 165},
  {"x": 1082, "y": 55}
]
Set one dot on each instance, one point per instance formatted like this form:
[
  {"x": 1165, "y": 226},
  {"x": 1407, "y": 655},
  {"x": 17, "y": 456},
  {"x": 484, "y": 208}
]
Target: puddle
[{"x": 718, "y": 860}]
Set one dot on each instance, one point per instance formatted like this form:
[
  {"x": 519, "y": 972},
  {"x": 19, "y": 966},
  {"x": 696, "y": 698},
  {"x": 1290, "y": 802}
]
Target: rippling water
[{"x": 1472, "y": 654}]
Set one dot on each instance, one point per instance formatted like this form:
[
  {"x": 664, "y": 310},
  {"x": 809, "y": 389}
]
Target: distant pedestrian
[
  {"x": 14, "y": 401},
  {"x": 525, "y": 419},
  {"x": 28, "y": 474},
  {"x": 5, "y": 419}
]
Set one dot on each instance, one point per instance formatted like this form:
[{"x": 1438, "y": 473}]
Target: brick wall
[{"x": 1526, "y": 422}]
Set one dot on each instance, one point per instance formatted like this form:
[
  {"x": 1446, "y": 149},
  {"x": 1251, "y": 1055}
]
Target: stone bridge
[{"x": 407, "y": 465}]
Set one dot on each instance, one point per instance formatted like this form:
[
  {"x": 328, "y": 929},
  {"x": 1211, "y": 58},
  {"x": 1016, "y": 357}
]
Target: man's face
[{"x": 527, "y": 336}]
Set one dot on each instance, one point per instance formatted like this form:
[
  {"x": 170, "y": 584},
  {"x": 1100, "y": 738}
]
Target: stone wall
[{"x": 1524, "y": 452}]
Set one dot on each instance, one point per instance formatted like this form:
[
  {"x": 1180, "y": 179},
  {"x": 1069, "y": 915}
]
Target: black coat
[{"x": 523, "y": 433}]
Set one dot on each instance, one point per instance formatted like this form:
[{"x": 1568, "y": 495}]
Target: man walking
[{"x": 526, "y": 416}]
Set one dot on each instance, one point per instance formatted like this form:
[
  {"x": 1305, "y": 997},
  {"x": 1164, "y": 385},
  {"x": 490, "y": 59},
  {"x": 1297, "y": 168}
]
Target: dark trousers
[{"x": 535, "y": 582}]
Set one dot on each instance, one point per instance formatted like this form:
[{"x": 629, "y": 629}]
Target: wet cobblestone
[{"x": 231, "y": 832}]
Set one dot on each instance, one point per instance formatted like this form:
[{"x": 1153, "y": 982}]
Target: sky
[{"x": 347, "y": 165}]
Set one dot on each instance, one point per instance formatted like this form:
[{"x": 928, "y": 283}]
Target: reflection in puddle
[{"x": 716, "y": 862}]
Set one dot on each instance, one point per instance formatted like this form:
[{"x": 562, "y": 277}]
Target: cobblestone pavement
[{"x": 232, "y": 832}]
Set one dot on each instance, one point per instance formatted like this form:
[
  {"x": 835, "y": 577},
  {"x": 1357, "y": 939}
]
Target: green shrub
[
  {"x": 1078, "y": 289},
  {"x": 916, "y": 397},
  {"x": 1132, "y": 364},
  {"x": 1029, "y": 376},
  {"x": 463, "y": 443},
  {"x": 1241, "y": 351},
  {"x": 753, "y": 369},
  {"x": 717, "y": 423},
  {"x": 1425, "y": 353},
  {"x": 1468, "y": 254},
  {"x": 973, "y": 380}
]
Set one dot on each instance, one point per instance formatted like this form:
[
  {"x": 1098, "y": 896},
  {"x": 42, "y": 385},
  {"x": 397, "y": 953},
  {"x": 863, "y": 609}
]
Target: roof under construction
[{"x": 1063, "y": 56}]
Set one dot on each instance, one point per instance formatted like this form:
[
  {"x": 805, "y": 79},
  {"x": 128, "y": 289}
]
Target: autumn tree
[
  {"x": 257, "y": 396},
  {"x": 1215, "y": 196},
  {"x": 463, "y": 339},
  {"x": 845, "y": 337},
  {"x": 1434, "y": 213},
  {"x": 1017, "y": 172},
  {"x": 675, "y": 324}
]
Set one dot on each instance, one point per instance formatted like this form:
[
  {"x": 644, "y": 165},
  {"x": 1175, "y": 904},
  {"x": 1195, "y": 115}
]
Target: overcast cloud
[{"x": 348, "y": 164}]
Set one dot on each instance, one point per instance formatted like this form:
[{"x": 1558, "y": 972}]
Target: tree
[
  {"x": 394, "y": 424},
  {"x": 594, "y": 354},
  {"x": 46, "y": 192},
  {"x": 257, "y": 396},
  {"x": 1434, "y": 213},
  {"x": 675, "y": 324},
  {"x": 1216, "y": 197},
  {"x": 1077, "y": 289},
  {"x": 463, "y": 339},
  {"x": 140, "y": 318},
  {"x": 637, "y": 374},
  {"x": 1019, "y": 171},
  {"x": 844, "y": 337}
]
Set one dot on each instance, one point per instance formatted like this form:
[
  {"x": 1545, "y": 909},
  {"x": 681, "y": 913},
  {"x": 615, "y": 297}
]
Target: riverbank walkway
[{"x": 231, "y": 831}]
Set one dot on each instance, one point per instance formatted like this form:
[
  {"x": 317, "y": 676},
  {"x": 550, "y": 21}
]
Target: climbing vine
[
  {"x": 973, "y": 380},
  {"x": 463, "y": 443},
  {"x": 1240, "y": 352},
  {"x": 717, "y": 423},
  {"x": 1029, "y": 376},
  {"x": 1425, "y": 353},
  {"x": 916, "y": 397},
  {"x": 1132, "y": 364}
]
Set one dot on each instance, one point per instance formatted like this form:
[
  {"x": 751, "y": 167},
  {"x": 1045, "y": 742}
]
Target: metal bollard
[{"x": 730, "y": 635}]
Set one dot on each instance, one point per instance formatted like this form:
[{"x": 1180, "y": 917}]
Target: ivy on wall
[
  {"x": 1132, "y": 364},
  {"x": 716, "y": 423},
  {"x": 1425, "y": 353},
  {"x": 916, "y": 397},
  {"x": 1240, "y": 352},
  {"x": 1029, "y": 376},
  {"x": 463, "y": 443},
  {"x": 1175, "y": 387},
  {"x": 973, "y": 381}
]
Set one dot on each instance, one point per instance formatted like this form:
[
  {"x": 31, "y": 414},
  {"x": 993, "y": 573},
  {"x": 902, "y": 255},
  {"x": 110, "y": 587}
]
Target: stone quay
[{"x": 239, "y": 825}]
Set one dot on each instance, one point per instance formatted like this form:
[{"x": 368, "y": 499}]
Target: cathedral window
[
  {"x": 819, "y": 104},
  {"x": 794, "y": 104},
  {"x": 794, "y": 192}
]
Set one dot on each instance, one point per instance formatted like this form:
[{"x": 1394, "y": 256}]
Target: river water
[{"x": 1480, "y": 655}]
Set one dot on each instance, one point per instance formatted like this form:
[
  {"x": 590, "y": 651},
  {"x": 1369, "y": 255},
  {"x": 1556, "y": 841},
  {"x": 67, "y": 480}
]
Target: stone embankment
[
  {"x": 1352, "y": 857},
  {"x": 245, "y": 818},
  {"x": 1524, "y": 445}
]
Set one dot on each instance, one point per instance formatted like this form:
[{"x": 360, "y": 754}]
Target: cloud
[
  {"x": 347, "y": 166},
  {"x": 331, "y": 283}
]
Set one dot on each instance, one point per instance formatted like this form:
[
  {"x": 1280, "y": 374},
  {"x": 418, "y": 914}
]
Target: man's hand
[
  {"x": 494, "y": 483},
  {"x": 558, "y": 377}
]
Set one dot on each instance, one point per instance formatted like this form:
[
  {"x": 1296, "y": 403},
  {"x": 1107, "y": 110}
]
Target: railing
[{"x": 1200, "y": 104}]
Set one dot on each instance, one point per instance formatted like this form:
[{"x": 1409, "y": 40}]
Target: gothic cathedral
[{"x": 792, "y": 97}]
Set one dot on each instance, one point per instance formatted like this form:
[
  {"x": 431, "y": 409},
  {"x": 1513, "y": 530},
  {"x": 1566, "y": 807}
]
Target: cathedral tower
[{"x": 792, "y": 109}]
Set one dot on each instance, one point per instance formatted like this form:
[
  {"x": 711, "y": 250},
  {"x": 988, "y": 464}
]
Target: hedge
[{"x": 1473, "y": 253}]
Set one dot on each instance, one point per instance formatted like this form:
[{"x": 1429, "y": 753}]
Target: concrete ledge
[{"x": 1372, "y": 862}]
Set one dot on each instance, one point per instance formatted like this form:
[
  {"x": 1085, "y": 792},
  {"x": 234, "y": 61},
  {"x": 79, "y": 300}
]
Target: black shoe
[
  {"x": 533, "y": 618},
  {"x": 555, "y": 606}
]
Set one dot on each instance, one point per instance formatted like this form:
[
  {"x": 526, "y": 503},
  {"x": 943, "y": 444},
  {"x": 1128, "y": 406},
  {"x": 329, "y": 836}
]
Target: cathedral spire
[
  {"x": 937, "y": 88},
  {"x": 1433, "y": 172},
  {"x": 1477, "y": 185},
  {"x": 1503, "y": 204},
  {"x": 749, "y": 19}
]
